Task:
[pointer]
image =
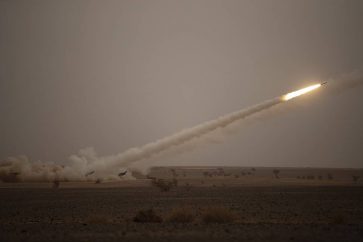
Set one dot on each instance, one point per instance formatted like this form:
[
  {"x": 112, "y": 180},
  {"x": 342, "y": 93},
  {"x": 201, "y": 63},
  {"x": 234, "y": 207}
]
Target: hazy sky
[{"x": 118, "y": 74}]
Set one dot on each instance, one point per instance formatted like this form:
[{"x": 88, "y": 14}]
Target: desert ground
[{"x": 190, "y": 204}]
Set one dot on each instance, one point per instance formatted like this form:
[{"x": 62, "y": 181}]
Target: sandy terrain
[{"x": 264, "y": 208}]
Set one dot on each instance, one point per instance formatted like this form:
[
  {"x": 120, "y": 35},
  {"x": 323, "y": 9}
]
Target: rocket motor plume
[
  {"x": 300, "y": 92},
  {"x": 130, "y": 156},
  {"x": 86, "y": 165}
]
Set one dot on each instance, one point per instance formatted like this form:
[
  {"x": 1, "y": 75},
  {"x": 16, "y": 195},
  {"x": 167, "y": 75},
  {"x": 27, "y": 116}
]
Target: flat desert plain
[{"x": 190, "y": 204}]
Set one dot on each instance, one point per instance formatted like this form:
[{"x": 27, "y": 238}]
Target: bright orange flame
[{"x": 300, "y": 92}]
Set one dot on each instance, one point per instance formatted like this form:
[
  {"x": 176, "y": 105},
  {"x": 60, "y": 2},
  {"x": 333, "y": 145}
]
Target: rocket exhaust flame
[
  {"x": 87, "y": 165},
  {"x": 152, "y": 149},
  {"x": 300, "y": 92}
]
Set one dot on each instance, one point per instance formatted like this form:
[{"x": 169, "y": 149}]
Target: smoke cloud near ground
[{"x": 86, "y": 165}]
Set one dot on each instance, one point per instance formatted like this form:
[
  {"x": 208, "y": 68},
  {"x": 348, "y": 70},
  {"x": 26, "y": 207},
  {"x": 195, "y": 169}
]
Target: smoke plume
[{"x": 88, "y": 166}]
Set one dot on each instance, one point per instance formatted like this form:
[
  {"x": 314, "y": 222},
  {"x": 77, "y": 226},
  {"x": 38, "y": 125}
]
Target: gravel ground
[{"x": 276, "y": 213}]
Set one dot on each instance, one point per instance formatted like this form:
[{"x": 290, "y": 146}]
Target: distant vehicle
[
  {"x": 122, "y": 173},
  {"x": 89, "y": 173}
]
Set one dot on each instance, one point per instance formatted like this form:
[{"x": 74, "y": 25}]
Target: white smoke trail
[
  {"x": 87, "y": 165},
  {"x": 149, "y": 150}
]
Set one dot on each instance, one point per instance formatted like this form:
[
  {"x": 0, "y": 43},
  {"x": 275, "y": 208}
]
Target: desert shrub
[
  {"x": 355, "y": 178},
  {"x": 163, "y": 185},
  {"x": 174, "y": 173},
  {"x": 330, "y": 176},
  {"x": 175, "y": 182},
  {"x": 181, "y": 215},
  {"x": 236, "y": 176},
  {"x": 218, "y": 215},
  {"x": 147, "y": 216},
  {"x": 276, "y": 173}
]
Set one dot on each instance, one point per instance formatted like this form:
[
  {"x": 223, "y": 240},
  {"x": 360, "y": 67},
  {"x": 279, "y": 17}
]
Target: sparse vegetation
[
  {"x": 181, "y": 215},
  {"x": 218, "y": 215},
  {"x": 355, "y": 178},
  {"x": 147, "y": 216},
  {"x": 330, "y": 176},
  {"x": 173, "y": 172},
  {"x": 276, "y": 173},
  {"x": 175, "y": 182}
]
